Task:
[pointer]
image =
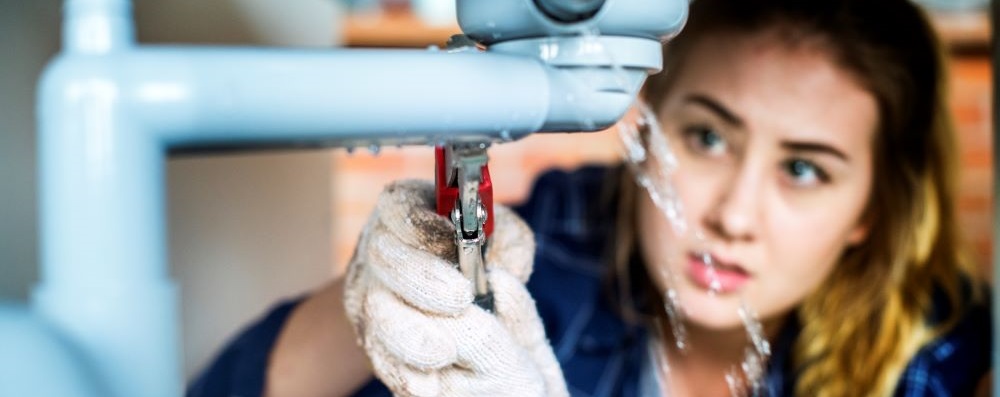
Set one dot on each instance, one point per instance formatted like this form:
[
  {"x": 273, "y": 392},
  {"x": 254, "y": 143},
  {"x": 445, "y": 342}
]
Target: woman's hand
[{"x": 413, "y": 313}]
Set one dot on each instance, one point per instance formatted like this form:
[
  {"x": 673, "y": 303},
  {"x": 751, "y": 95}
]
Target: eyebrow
[
  {"x": 716, "y": 107},
  {"x": 814, "y": 147},
  {"x": 731, "y": 118}
]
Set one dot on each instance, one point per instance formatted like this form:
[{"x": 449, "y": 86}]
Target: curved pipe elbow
[
  {"x": 39, "y": 361},
  {"x": 75, "y": 89},
  {"x": 593, "y": 80},
  {"x": 590, "y": 99}
]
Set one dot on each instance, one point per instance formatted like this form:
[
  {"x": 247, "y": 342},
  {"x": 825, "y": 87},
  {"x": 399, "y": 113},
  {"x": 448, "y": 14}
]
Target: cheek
[
  {"x": 803, "y": 247},
  {"x": 698, "y": 192},
  {"x": 813, "y": 229},
  {"x": 798, "y": 248}
]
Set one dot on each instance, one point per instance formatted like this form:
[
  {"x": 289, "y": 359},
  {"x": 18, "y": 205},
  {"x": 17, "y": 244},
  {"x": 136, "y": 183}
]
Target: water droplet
[
  {"x": 644, "y": 150},
  {"x": 734, "y": 383},
  {"x": 755, "y": 331},
  {"x": 505, "y": 136},
  {"x": 675, "y": 313},
  {"x": 750, "y": 373},
  {"x": 350, "y": 150},
  {"x": 374, "y": 148},
  {"x": 714, "y": 287},
  {"x": 433, "y": 48}
]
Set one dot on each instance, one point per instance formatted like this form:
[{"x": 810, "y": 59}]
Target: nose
[{"x": 734, "y": 215}]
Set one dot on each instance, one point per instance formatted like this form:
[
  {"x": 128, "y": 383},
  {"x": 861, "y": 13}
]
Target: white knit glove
[{"x": 412, "y": 309}]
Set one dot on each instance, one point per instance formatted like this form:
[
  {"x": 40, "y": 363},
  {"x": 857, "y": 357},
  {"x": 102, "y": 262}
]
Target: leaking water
[
  {"x": 756, "y": 355},
  {"x": 647, "y": 153},
  {"x": 675, "y": 314},
  {"x": 374, "y": 149},
  {"x": 705, "y": 249},
  {"x": 755, "y": 330},
  {"x": 505, "y": 136}
]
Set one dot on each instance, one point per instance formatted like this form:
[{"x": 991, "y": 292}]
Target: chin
[{"x": 719, "y": 312}]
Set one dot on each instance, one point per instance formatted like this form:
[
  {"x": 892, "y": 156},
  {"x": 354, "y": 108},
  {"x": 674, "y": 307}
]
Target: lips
[{"x": 721, "y": 277}]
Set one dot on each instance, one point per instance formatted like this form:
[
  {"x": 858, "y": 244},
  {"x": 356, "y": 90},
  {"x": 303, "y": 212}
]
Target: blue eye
[
  {"x": 705, "y": 140},
  {"x": 805, "y": 173}
]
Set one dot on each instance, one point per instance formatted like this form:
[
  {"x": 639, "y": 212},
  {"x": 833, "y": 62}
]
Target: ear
[
  {"x": 859, "y": 233},
  {"x": 863, "y": 226}
]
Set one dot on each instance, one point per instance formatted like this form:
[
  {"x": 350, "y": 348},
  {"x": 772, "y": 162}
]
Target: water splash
[
  {"x": 594, "y": 47},
  {"x": 647, "y": 153},
  {"x": 585, "y": 82},
  {"x": 704, "y": 250},
  {"x": 755, "y": 331},
  {"x": 756, "y": 356},
  {"x": 735, "y": 383},
  {"x": 748, "y": 378},
  {"x": 506, "y": 136},
  {"x": 661, "y": 190},
  {"x": 675, "y": 315}
]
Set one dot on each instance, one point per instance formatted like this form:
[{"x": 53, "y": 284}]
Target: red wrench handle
[{"x": 447, "y": 193}]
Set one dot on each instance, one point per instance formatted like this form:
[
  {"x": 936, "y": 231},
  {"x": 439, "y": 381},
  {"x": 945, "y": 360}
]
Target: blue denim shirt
[{"x": 600, "y": 354}]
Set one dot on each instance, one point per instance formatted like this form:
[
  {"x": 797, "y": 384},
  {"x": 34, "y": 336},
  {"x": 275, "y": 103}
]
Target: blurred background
[{"x": 249, "y": 229}]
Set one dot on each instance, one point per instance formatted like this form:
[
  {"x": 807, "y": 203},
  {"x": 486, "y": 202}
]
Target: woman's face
[{"x": 775, "y": 151}]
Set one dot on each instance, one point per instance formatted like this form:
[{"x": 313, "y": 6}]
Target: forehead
[{"x": 777, "y": 88}]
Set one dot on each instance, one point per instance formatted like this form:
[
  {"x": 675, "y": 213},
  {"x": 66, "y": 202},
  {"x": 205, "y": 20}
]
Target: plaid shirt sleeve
[{"x": 955, "y": 363}]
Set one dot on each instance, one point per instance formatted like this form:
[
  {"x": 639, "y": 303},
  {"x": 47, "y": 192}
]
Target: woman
[
  {"x": 816, "y": 170},
  {"x": 820, "y": 157}
]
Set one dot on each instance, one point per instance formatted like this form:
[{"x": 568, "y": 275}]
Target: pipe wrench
[{"x": 464, "y": 194}]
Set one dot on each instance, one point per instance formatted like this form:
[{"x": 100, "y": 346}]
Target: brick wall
[
  {"x": 971, "y": 98},
  {"x": 359, "y": 177}
]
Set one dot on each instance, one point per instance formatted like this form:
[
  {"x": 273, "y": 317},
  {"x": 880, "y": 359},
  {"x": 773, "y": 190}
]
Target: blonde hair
[{"x": 863, "y": 325}]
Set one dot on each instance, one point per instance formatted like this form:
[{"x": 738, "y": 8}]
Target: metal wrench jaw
[
  {"x": 465, "y": 164},
  {"x": 470, "y": 255}
]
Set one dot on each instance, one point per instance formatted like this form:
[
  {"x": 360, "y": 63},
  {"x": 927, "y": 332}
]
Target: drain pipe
[{"x": 109, "y": 111}]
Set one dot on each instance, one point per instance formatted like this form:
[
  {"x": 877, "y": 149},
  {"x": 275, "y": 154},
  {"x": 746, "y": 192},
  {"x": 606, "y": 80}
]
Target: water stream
[{"x": 646, "y": 151}]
